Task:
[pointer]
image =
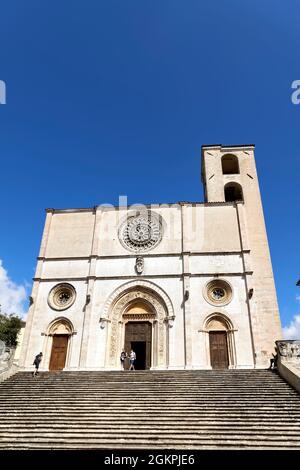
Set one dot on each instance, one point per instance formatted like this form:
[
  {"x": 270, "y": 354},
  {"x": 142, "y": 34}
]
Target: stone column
[{"x": 187, "y": 314}]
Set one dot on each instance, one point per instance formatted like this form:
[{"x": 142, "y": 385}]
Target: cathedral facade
[{"x": 185, "y": 285}]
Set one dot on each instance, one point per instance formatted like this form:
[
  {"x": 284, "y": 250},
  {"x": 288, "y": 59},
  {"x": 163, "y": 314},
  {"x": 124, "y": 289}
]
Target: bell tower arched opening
[
  {"x": 230, "y": 164},
  {"x": 233, "y": 192}
]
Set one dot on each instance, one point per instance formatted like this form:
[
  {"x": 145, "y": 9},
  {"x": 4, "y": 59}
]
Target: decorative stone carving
[
  {"x": 138, "y": 284},
  {"x": 116, "y": 313},
  {"x": 103, "y": 321},
  {"x": 60, "y": 326},
  {"x": 139, "y": 265},
  {"x": 141, "y": 232},
  {"x": 62, "y": 296},
  {"x": 289, "y": 349},
  {"x": 170, "y": 321},
  {"x": 6, "y": 355}
]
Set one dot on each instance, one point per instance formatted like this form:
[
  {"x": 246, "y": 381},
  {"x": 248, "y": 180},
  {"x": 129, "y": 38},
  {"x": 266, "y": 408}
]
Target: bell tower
[{"x": 229, "y": 176}]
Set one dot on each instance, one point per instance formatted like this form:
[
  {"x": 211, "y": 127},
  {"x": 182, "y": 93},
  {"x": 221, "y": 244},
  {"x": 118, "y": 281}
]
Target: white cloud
[
  {"x": 292, "y": 331},
  {"x": 12, "y": 295}
]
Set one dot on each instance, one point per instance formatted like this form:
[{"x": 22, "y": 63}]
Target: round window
[
  {"x": 218, "y": 292},
  {"x": 62, "y": 296}
]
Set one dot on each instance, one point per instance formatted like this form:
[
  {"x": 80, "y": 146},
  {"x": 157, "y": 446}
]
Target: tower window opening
[
  {"x": 233, "y": 192},
  {"x": 230, "y": 165}
]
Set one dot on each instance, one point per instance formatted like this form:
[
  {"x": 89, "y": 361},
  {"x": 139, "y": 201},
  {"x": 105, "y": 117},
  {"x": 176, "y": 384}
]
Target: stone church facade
[{"x": 186, "y": 285}]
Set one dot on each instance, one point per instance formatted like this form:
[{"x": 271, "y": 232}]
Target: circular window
[
  {"x": 62, "y": 296},
  {"x": 141, "y": 232},
  {"x": 218, "y": 292}
]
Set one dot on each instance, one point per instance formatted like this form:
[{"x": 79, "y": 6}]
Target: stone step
[
  {"x": 149, "y": 428},
  {"x": 146, "y": 445},
  {"x": 242, "y": 407},
  {"x": 256, "y": 439},
  {"x": 150, "y": 411},
  {"x": 168, "y": 421},
  {"x": 154, "y": 434},
  {"x": 117, "y": 399}
]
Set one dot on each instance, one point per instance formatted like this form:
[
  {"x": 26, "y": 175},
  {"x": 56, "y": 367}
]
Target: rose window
[{"x": 141, "y": 233}]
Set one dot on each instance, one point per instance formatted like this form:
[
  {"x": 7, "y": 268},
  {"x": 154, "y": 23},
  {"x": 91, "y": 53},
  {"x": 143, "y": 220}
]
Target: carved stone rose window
[
  {"x": 218, "y": 292},
  {"x": 62, "y": 296},
  {"x": 141, "y": 232}
]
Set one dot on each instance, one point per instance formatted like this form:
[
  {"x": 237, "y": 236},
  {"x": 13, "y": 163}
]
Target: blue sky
[{"x": 116, "y": 97}]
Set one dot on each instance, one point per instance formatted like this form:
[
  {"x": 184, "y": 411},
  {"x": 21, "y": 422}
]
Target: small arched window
[
  {"x": 233, "y": 192},
  {"x": 230, "y": 164}
]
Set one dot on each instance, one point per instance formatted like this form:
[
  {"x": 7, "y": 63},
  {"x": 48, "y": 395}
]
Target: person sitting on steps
[{"x": 273, "y": 360}]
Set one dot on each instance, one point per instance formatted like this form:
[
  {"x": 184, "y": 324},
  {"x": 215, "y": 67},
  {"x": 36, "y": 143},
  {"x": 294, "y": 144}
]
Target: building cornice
[
  {"x": 149, "y": 276},
  {"x": 144, "y": 255},
  {"x": 228, "y": 147},
  {"x": 136, "y": 208}
]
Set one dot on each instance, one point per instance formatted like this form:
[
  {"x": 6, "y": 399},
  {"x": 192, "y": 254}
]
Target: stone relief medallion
[
  {"x": 139, "y": 265},
  {"x": 141, "y": 232},
  {"x": 62, "y": 296},
  {"x": 218, "y": 292}
]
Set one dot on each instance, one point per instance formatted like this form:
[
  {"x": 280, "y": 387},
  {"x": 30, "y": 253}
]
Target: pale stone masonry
[{"x": 190, "y": 285}]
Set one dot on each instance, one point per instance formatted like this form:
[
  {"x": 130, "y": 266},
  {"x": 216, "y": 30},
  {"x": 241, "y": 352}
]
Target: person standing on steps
[
  {"x": 123, "y": 358},
  {"x": 36, "y": 363},
  {"x": 132, "y": 359}
]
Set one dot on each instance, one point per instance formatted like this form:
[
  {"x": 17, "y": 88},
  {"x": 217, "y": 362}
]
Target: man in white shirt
[{"x": 132, "y": 358}]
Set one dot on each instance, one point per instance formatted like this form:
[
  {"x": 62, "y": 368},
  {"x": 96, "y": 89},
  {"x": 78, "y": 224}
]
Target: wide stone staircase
[{"x": 230, "y": 409}]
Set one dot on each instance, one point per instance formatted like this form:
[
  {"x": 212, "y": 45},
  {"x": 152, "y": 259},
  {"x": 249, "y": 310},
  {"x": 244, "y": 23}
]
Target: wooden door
[
  {"x": 138, "y": 336},
  {"x": 59, "y": 352},
  {"x": 218, "y": 349}
]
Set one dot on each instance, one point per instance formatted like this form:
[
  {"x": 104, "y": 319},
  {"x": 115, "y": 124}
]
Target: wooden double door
[
  {"x": 218, "y": 349},
  {"x": 138, "y": 337},
  {"x": 59, "y": 352}
]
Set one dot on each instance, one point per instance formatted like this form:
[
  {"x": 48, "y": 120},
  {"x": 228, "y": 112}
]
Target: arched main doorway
[
  {"x": 221, "y": 342},
  {"x": 60, "y": 332},
  {"x": 138, "y": 315},
  {"x": 138, "y": 321}
]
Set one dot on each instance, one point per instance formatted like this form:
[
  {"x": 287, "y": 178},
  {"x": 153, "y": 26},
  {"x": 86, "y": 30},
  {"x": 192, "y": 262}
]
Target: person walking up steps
[{"x": 36, "y": 363}]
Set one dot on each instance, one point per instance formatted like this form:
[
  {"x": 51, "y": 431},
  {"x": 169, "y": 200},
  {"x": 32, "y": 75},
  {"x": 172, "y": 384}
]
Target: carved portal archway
[
  {"x": 218, "y": 323},
  {"x": 57, "y": 330},
  {"x": 142, "y": 301}
]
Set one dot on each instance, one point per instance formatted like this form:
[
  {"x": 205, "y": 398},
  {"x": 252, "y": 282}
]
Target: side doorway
[
  {"x": 58, "y": 352},
  {"x": 218, "y": 349}
]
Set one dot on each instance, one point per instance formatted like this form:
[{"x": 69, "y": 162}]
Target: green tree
[{"x": 10, "y": 326}]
